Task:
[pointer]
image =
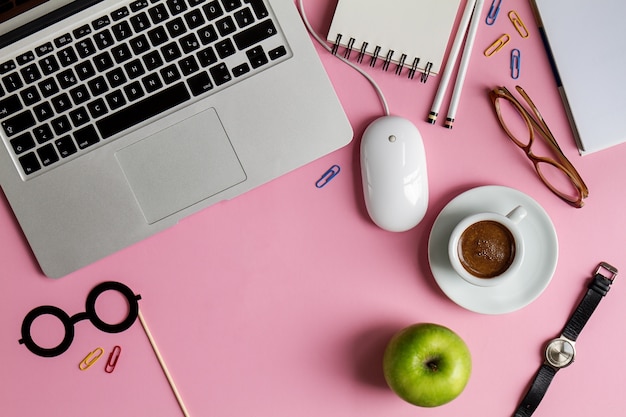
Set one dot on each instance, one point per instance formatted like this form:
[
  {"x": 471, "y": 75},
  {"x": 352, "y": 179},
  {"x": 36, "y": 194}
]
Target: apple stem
[{"x": 432, "y": 365}]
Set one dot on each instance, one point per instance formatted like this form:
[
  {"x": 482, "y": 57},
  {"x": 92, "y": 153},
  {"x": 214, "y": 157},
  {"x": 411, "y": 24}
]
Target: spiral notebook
[
  {"x": 585, "y": 40},
  {"x": 411, "y": 34}
]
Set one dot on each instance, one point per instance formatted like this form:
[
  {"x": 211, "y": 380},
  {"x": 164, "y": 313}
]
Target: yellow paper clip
[
  {"x": 90, "y": 359},
  {"x": 497, "y": 45},
  {"x": 518, "y": 24}
]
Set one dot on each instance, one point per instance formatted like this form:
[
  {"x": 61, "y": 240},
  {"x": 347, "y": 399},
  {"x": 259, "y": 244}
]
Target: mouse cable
[{"x": 379, "y": 91}]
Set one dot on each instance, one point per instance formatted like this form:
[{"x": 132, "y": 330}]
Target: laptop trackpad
[{"x": 181, "y": 165}]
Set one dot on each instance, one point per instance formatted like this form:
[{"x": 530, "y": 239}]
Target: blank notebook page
[
  {"x": 418, "y": 28},
  {"x": 586, "y": 39}
]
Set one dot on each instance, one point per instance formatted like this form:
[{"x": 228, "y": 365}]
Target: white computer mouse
[{"x": 393, "y": 169}]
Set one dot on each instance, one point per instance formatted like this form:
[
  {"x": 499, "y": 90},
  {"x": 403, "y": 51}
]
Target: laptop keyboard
[{"x": 74, "y": 92}]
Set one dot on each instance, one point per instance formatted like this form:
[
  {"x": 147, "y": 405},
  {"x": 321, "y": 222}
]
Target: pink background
[{"x": 280, "y": 302}]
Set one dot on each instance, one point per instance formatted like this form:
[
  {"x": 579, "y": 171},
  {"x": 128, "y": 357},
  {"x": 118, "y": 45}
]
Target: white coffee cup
[{"x": 487, "y": 249}]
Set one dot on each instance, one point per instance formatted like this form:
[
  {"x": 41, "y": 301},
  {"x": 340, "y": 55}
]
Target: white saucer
[{"x": 539, "y": 262}]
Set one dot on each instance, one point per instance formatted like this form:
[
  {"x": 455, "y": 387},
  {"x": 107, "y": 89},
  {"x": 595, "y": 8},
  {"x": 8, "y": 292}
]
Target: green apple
[{"x": 427, "y": 364}]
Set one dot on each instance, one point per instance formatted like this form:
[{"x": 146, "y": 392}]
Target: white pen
[
  {"x": 454, "y": 53},
  {"x": 467, "y": 52}
]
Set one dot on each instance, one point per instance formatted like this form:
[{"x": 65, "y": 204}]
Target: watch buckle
[{"x": 609, "y": 268}]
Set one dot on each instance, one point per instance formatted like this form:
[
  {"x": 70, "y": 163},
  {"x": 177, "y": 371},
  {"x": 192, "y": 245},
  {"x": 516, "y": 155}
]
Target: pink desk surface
[{"x": 280, "y": 302}]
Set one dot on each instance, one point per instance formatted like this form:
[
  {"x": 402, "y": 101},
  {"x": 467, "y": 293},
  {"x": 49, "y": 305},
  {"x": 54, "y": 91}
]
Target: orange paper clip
[
  {"x": 497, "y": 45},
  {"x": 113, "y": 357},
  {"x": 90, "y": 359},
  {"x": 518, "y": 24}
]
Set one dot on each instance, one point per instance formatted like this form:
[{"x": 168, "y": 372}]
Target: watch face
[{"x": 560, "y": 353}]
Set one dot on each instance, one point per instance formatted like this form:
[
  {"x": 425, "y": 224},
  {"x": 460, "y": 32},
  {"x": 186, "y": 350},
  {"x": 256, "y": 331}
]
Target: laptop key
[
  {"x": 23, "y": 143},
  {"x": 67, "y": 56},
  {"x": 79, "y": 94},
  {"x": 158, "y": 13},
  {"x": 225, "y": 48},
  {"x": 81, "y": 31},
  {"x": 67, "y": 78},
  {"x": 48, "y": 87},
  {"x": 143, "y": 110},
  {"x": 231, "y": 5},
  {"x": 244, "y": 17},
  {"x": 200, "y": 83},
  {"x": 47, "y": 154},
  {"x": 10, "y": 105},
  {"x": 85, "y": 48},
  {"x": 61, "y": 125},
  {"x": 30, "y": 163},
  {"x": 119, "y": 14},
  {"x": 65, "y": 146},
  {"x": 259, "y": 8},
  {"x": 19, "y": 123},
  {"x": 101, "y": 22},
  {"x": 213, "y": 10},
  {"x": 176, "y": 6},
  {"x": 30, "y": 96},
  {"x": 220, "y": 74},
  {"x": 277, "y": 52},
  {"x": 12, "y": 82},
  {"x": 61, "y": 103},
  {"x": 138, "y": 5},
  {"x": 31, "y": 73},
  {"x": 63, "y": 40},
  {"x": 43, "y": 133},
  {"x": 79, "y": 116},
  {"x": 116, "y": 99},
  {"x": 49, "y": 65},
  {"x": 85, "y": 137},
  {"x": 254, "y": 34},
  {"x": 43, "y": 111},
  {"x": 134, "y": 91},
  {"x": 44, "y": 49},
  {"x": 226, "y": 26},
  {"x": 240, "y": 70},
  {"x": 257, "y": 57},
  {"x": 140, "y": 22},
  {"x": 25, "y": 58},
  {"x": 103, "y": 39},
  {"x": 7, "y": 67},
  {"x": 122, "y": 30}
]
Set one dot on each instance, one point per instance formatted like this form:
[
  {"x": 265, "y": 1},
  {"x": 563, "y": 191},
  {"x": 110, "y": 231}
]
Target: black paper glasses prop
[
  {"x": 557, "y": 173},
  {"x": 91, "y": 315}
]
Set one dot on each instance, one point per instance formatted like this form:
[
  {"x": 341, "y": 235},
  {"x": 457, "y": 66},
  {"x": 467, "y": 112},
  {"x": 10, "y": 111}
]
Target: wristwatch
[{"x": 560, "y": 352}]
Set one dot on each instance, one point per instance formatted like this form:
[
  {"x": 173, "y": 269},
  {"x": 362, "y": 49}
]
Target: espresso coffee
[{"x": 486, "y": 249}]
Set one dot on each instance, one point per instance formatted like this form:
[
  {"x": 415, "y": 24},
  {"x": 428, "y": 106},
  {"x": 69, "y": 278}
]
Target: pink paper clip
[{"x": 113, "y": 357}]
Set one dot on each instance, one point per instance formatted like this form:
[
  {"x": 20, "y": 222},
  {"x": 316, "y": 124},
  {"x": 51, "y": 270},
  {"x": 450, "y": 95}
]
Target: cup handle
[{"x": 517, "y": 214}]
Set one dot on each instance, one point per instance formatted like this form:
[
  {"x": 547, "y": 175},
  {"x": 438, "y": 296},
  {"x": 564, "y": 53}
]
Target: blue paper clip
[
  {"x": 516, "y": 63},
  {"x": 328, "y": 176},
  {"x": 494, "y": 10}
]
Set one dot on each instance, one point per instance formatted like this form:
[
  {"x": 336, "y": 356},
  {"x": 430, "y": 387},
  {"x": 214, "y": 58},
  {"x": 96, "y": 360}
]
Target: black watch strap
[
  {"x": 536, "y": 391},
  {"x": 598, "y": 288}
]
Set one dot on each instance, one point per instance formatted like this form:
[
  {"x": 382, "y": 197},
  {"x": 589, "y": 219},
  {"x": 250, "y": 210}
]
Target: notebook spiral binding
[{"x": 375, "y": 56}]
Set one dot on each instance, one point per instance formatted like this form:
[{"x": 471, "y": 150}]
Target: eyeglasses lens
[{"x": 512, "y": 119}]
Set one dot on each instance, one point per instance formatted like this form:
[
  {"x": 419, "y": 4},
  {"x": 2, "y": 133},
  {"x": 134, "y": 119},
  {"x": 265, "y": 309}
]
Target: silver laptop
[{"x": 119, "y": 118}]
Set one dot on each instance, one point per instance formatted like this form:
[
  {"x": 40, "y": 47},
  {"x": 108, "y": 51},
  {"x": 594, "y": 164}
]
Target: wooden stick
[{"x": 170, "y": 380}]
